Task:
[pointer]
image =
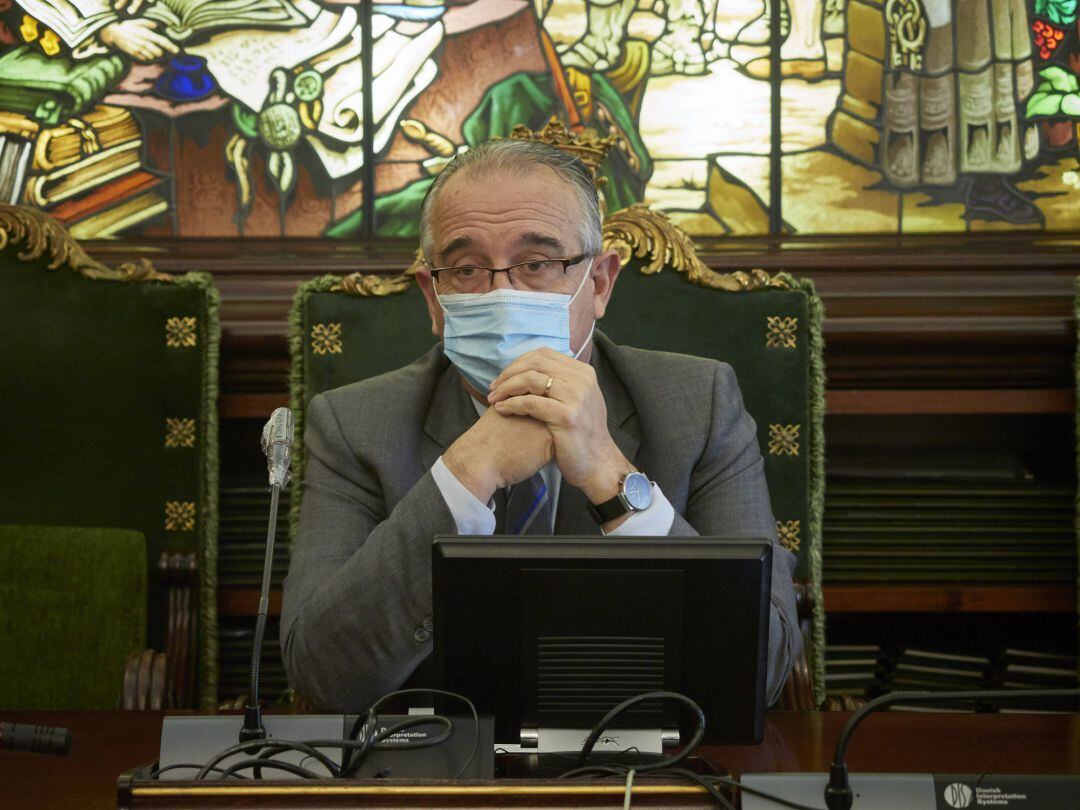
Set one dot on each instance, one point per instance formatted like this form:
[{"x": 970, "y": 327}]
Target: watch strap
[
  {"x": 615, "y": 507},
  {"x": 608, "y": 510}
]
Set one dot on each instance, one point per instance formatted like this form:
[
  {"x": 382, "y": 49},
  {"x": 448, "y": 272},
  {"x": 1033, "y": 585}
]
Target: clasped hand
[{"x": 530, "y": 422}]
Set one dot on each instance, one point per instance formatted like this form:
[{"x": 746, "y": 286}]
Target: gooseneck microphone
[
  {"x": 35, "y": 739},
  {"x": 838, "y": 791},
  {"x": 277, "y": 439}
]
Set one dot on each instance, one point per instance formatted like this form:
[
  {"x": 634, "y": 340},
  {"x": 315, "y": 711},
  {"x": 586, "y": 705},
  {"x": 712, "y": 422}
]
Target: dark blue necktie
[{"x": 528, "y": 507}]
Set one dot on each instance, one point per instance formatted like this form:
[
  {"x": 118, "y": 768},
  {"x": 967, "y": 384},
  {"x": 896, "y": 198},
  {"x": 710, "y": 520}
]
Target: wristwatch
[{"x": 635, "y": 495}]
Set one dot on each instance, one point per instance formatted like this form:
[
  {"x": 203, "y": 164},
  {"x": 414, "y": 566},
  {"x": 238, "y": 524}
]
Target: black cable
[
  {"x": 607, "y": 719},
  {"x": 305, "y": 748},
  {"x": 663, "y": 768},
  {"x": 276, "y": 746},
  {"x": 374, "y": 737},
  {"x": 699, "y": 779},
  {"x": 269, "y": 763},
  {"x": 156, "y": 773},
  {"x": 615, "y": 755},
  {"x": 372, "y": 720},
  {"x": 416, "y": 720},
  {"x": 239, "y": 748},
  {"x": 604, "y": 770},
  {"x": 723, "y": 780},
  {"x": 353, "y": 751},
  {"x": 838, "y": 789},
  {"x": 716, "y": 769}
]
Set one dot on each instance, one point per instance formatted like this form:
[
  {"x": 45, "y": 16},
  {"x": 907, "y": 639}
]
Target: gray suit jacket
[{"x": 356, "y": 618}]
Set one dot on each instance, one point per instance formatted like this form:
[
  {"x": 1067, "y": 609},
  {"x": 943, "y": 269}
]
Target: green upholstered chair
[
  {"x": 57, "y": 582},
  {"x": 109, "y": 409},
  {"x": 768, "y": 329}
]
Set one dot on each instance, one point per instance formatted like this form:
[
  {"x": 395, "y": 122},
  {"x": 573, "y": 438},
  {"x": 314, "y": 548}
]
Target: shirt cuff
[
  {"x": 471, "y": 516},
  {"x": 652, "y": 522}
]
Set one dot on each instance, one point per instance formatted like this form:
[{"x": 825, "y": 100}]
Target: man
[{"x": 522, "y": 394}]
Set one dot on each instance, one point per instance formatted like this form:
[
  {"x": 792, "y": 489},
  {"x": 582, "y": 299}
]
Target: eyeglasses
[{"x": 537, "y": 275}]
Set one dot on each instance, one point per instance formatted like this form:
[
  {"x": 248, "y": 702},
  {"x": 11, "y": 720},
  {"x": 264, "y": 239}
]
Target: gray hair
[{"x": 516, "y": 155}]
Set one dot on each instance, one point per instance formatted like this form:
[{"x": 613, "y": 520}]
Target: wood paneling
[
  {"x": 948, "y": 599},
  {"x": 245, "y": 602},
  {"x": 970, "y": 312},
  {"x": 930, "y": 401}
]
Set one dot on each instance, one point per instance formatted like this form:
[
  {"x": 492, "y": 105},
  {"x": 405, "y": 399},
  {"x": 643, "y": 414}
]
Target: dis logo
[{"x": 958, "y": 795}]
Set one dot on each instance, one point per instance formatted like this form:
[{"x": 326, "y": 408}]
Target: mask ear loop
[
  {"x": 592, "y": 329},
  {"x": 584, "y": 278},
  {"x": 587, "y": 341}
]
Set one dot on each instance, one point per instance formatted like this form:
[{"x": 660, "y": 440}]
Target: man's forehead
[
  {"x": 520, "y": 240},
  {"x": 489, "y": 208}
]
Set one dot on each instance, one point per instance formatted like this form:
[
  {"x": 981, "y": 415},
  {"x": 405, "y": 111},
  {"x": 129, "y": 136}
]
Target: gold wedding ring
[{"x": 547, "y": 388}]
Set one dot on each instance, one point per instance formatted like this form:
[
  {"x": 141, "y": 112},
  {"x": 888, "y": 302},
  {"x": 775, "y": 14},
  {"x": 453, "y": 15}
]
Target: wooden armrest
[
  {"x": 179, "y": 572},
  {"x": 799, "y": 690},
  {"x": 165, "y": 680},
  {"x": 146, "y": 677},
  {"x": 798, "y": 694}
]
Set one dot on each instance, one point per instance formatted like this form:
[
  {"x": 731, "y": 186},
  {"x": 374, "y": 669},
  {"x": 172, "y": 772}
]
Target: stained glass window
[{"x": 144, "y": 118}]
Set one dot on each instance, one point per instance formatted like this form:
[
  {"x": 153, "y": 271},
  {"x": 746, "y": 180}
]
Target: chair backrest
[
  {"x": 109, "y": 407},
  {"x": 768, "y": 329},
  {"x": 72, "y": 609}
]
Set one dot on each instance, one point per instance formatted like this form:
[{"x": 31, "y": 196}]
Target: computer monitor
[{"x": 552, "y": 632}]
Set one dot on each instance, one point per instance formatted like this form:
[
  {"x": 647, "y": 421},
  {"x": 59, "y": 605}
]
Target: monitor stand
[
  {"x": 643, "y": 740},
  {"x": 549, "y": 752}
]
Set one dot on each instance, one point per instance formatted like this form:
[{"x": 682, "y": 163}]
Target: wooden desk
[{"x": 105, "y": 744}]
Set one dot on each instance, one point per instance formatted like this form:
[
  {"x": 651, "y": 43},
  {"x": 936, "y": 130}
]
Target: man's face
[{"x": 501, "y": 219}]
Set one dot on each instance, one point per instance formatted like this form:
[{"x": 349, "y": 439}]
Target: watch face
[{"x": 638, "y": 490}]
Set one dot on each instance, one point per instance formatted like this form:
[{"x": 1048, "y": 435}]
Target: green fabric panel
[
  {"x": 378, "y": 334},
  {"x": 94, "y": 382},
  {"x": 70, "y": 614},
  {"x": 730, "y": 327},
  {"x": 780, "y": 386}
]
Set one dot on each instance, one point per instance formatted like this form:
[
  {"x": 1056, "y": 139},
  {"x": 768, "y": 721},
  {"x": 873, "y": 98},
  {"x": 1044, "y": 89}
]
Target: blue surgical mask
[{"x": 483, "y": 333}]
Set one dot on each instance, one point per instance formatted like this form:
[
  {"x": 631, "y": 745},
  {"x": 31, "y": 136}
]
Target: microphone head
[
  {"x": 278, "y": 430},
  {"x": 277, "y": 438}
]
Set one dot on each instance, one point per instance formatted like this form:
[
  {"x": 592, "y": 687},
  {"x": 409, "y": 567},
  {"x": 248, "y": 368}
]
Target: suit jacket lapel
[
  {"x": 451, "y": 413},
  {"x": 572, "y": 516}
]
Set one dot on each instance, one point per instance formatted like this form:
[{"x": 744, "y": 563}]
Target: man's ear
[
  {"x": 427, "y": 287},
  {"x": 605, "y": 270}
]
